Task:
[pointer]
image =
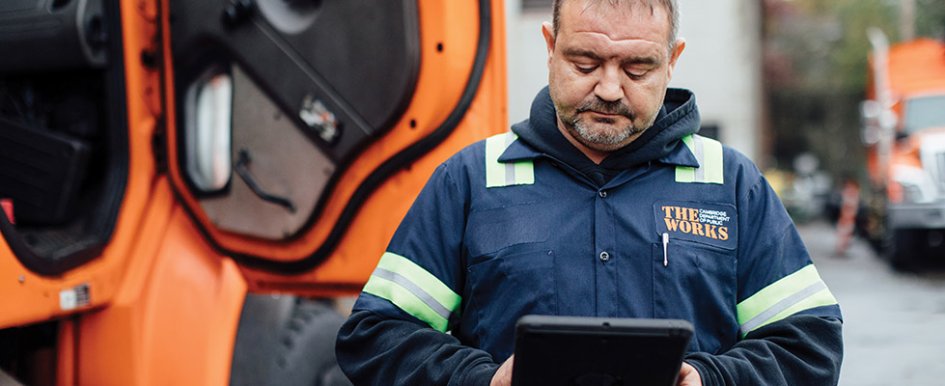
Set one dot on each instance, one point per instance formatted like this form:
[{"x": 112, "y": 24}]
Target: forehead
[{"x": 617, "y": 22}]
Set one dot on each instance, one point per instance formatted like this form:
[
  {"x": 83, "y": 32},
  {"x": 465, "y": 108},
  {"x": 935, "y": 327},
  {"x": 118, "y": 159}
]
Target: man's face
[{"x": 609, "y": 66}]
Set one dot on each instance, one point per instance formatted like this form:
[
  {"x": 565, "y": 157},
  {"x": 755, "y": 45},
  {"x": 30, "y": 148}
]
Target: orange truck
[
  {"x": 188, "y": 187},
  {"x": 904, "y": 128}
]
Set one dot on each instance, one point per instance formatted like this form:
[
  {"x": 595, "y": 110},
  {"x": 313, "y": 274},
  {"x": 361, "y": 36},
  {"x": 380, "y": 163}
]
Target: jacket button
[
  {"x": 604, "y": 256},
  {"x": 603, "y": 194}
]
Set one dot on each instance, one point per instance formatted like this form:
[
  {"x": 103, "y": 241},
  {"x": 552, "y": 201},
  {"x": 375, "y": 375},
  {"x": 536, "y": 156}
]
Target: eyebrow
[
  {"x": 636, "y": 60},
  {"x": 642, "y": 60},
  {"x": 572, "y": 52}
]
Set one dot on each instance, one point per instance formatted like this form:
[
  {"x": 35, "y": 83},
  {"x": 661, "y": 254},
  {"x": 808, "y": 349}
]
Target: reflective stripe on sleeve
[
  {"x": 709, "y": 154},
  {"x": 499, "y": 174},
  {"x": 413, "y": 289},
  {"x": 799, "y": 291}
]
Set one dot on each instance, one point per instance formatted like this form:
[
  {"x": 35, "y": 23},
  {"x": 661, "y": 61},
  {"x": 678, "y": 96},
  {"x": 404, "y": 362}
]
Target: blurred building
[{"x": 721, "y": 64}]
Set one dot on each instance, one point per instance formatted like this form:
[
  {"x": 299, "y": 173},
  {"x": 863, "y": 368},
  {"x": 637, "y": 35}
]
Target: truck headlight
[{"x": 917, "y": 186}]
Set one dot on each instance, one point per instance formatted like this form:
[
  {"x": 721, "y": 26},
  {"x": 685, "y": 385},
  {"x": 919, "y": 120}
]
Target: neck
[{"x": 596, "y": 156}]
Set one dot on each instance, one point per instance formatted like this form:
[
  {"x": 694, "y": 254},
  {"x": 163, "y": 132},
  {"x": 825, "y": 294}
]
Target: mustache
[{"x": 606, "y": 107}]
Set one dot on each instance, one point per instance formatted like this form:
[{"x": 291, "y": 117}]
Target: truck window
[{"x": 924, "y": 112}]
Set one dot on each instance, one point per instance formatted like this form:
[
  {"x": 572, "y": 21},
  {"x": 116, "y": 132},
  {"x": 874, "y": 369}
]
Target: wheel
[
  {"x": 902, "y": 250},
  {"x": 876, "y": 229},
  {"x": 284, "y": 340}
]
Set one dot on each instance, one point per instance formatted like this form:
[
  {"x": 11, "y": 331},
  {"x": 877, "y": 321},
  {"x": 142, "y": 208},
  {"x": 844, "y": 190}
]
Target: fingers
[
  {"x": 503, "y": 376},
  {"x": 688, "y": 376}
]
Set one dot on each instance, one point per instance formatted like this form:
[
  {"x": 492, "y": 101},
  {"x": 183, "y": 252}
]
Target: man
[{"x": 602, "y": 203}]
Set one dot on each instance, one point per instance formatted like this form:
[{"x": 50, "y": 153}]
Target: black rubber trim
[
  {"x": 379, "y": 175},
  {"x": 115, "y": 181}
]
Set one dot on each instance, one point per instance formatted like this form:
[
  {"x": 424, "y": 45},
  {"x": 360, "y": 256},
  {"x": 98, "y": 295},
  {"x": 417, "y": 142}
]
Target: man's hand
[
  {"x": 503, "y": 376},
  {"x": 688, "y": 376}
]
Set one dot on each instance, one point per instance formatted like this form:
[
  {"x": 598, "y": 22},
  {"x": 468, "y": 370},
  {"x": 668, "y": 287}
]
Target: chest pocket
[
  {"x": 696, "y": 282},
  {"x": 509, "y": 273}
]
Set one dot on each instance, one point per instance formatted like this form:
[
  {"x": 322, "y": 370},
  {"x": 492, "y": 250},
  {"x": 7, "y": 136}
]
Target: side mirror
[
  {"x": 870, "y": 112},
  {"x": 876, "y": 120}
]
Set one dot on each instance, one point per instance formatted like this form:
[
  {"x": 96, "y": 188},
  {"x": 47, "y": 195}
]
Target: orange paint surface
[{"x": 164, "y": 305}]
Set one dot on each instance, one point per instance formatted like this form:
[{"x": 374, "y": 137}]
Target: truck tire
[
  {"x": 284, "y": 340},
  {"x": 901, "y": 249}
]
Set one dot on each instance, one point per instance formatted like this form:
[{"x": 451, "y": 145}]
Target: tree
[{"x": 816, "y": 69}]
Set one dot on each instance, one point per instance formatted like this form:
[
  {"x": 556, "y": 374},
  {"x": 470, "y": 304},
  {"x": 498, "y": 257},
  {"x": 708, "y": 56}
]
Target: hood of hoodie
[{"x": 678, "y": 118}]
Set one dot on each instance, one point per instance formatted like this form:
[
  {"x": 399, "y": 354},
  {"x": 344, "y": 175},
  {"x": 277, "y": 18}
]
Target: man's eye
[
  {"x": 636, "y": 74},
  {"x": 586, "y": 69}
]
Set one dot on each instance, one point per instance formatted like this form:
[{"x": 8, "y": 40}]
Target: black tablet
[{"x": 583, "y": 351}]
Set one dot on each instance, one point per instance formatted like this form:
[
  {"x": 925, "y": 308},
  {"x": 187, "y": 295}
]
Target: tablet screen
[{"x": 587, "y": 351}]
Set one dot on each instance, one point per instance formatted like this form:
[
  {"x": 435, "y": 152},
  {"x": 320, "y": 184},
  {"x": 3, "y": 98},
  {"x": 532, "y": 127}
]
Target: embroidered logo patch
[{"x": 711, "y": 224}]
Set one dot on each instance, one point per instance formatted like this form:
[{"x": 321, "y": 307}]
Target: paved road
[{"x": 894, "y": 323}]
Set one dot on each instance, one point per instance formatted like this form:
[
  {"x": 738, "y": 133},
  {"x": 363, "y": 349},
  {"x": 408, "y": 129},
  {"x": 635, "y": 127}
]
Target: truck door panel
[{"x": 302, "y": 210}]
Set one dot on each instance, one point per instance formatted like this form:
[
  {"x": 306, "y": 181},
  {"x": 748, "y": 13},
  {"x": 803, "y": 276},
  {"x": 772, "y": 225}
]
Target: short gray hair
[{"x": 672, "y": 9}]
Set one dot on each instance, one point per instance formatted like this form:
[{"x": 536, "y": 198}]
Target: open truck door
[
  {"x": 66, "y": 154},
  {"x": 191, "y": 181},
  {"x": 300, "y": 131}
]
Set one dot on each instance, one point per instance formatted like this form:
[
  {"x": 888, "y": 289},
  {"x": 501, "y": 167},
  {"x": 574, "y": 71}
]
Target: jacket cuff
[
  {"x": 479, "y": 375},
  {"x": 710, "y": 377}
]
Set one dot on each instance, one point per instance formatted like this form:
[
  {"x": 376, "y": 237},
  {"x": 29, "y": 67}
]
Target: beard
[{"x": 601, "y": 133}]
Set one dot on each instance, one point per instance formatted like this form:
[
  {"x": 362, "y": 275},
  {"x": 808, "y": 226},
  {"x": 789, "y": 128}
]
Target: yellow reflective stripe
[
  {"x": 708, "y": 153},
  {"x": 413, "y": 289},
  {"x": 524, "y": 173},
  {"x": 495, "y": 171},
  {"x": 685, "y": 174},
  {"x": 712, "y": 157},
  {"x": 799, "y": 291},
  {"x": 500, "y": 174}
]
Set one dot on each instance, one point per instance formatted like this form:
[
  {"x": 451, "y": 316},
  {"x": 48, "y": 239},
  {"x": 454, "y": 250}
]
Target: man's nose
[{"x": 608, "y": 86}]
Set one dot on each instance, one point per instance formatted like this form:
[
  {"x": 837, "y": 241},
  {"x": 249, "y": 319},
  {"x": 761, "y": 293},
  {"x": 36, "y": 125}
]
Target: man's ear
[
  {"x": 547, "y": 30},
  {"x": 674, "y": 56}
]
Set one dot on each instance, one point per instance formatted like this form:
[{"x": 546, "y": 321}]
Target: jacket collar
[
  {"x": 539, "y": 135},
  {"x": 680, "y": 156},
  {"x": 519, "y": 151}
]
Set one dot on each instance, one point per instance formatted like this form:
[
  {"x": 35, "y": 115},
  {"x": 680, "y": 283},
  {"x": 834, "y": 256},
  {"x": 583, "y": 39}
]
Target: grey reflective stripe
[
  {"x": 500, "y": 174},
  {"x": 709, "y": 154},
  {"x": 782, "y": 305},
  {"x": 414, "y": 289},
  {"x": 509, "y": 174},
  {"x": 509, "y": 167}
]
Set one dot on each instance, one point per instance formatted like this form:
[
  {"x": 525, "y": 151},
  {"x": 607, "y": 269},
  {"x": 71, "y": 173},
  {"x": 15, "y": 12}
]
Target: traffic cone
[{"x": 846, "y": 223}]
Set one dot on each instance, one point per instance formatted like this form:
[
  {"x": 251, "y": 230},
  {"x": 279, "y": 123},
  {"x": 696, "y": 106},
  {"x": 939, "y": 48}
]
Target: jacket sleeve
[
  {"x": 397, "y": 332},
  {"x": 790, "y": 323},
  {"x": 378, "y": 350},
  {"x": 798, "y": 350}
]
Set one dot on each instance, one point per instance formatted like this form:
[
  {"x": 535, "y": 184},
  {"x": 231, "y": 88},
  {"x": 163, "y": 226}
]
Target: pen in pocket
[{"x": 665, "y": 244}]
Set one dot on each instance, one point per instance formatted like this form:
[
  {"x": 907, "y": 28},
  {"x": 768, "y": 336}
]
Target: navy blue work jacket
[{"x": 503, "y": 230}]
